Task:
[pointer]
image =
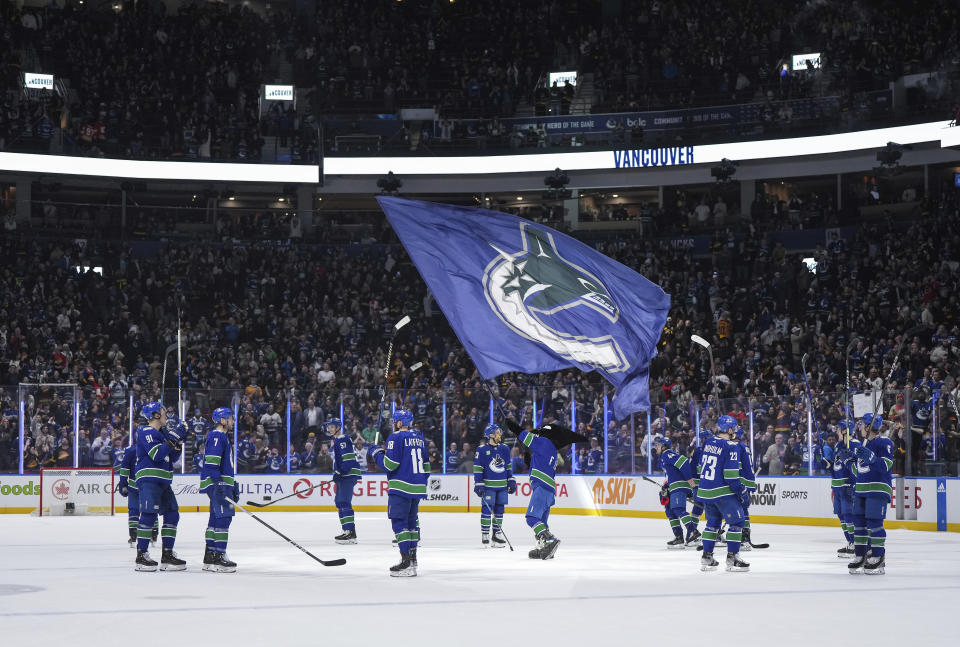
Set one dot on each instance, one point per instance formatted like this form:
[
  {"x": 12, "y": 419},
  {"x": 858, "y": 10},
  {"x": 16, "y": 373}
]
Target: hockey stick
[
  {"x": 163, "y": 380},
  {"x": 413, "y": 369},
  {"x": 484, "y": 503},
  {"x": 325, "y": 562},
  {"x": 846, "y": 413},
  {"x": 697, "y": 339},
  {"x": 896, "y": 358},
  {"x": 309, "y": 489},
  {"x": 386, "y": 374},
  {"x": 660, "y": 487},
  {"x": 806, "y": 384}
]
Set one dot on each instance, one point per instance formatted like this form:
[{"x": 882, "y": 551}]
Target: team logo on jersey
[
  {"x": 498, "y": 465},
  {"x": 536, "y": 292}
]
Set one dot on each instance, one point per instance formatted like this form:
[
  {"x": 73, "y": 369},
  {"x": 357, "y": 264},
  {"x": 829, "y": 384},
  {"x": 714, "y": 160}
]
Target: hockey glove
[
  {"x": 511, "y": 486},
  {"x": 479, "y": 489},
  {"x": 863, "y": 454},
  {"x": 336, "y": 477},
  {"x": 236, "y": 491},
  {"x": 745, "y": 498},
  {"x": 124, "y": 491},
  {"x": 664, "y": 492},
  {"x": 376, "y": 451}
]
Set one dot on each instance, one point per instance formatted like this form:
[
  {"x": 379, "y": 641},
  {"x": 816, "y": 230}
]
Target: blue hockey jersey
[
  {"x": 125, "y": 461},
  {"x": 678, "y": 470},
  {"x": 594, "y": 461},
  {"x": 873, "y": 476},
  {"x": 543, "y": 460},
  {"x": 406, "y": 463},
  {"x": 154, "y": 460},
  {"x": 344, "y": 458},
  {"x": 719, "y": 470},
  {"x": 217, "y": 461},
  {"x": 695, "y": 463},
  {"x": 491, "y": 466}
]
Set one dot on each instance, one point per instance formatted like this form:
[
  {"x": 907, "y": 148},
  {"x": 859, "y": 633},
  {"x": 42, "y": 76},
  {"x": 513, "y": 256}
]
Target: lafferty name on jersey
[{"x": 413, "y": 442}]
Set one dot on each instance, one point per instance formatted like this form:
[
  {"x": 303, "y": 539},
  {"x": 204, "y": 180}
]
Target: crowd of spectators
[
  {"x": 188, "y": 83},
  {"x": 266, "y": 325}
]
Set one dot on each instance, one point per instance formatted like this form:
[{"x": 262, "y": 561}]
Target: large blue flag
[{"x": 523, "y": 297}]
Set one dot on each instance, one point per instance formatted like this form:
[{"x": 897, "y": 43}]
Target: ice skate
[
  {"x": 346, "y": 537},
  {"x": 549, "y": 545},
  {"x": 708, "y": 563},
  {"x": 845, "y": 552},
  {"x": 485, "y": 540},
  {"x": 406, "y": 568},
  {"x": 498, "y": 540},
  {"x": 875, "y": 566},
  {"x": 735, "y": 564},
  {"x": 856, "y": 566},
  {"x": 217, "y": 562},
  {"x": 693, "y": 538},
  {"x": 144, "y": 562},
  {"x": 675, "y": 543},
  {"x": 170, "y": 562}
]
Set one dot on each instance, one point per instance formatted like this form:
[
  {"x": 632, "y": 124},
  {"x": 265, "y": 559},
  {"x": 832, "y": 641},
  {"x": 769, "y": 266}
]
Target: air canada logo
[
  {"x": 537, "y": 293},
  {"x": 61, "y": 489}
]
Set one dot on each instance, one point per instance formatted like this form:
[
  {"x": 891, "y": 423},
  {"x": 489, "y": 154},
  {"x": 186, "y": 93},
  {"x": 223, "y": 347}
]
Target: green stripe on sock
[
  {"x": 168, "y": 532},
  {"x": 540, "y": 527},
  {"x": 710, "y": 535}
]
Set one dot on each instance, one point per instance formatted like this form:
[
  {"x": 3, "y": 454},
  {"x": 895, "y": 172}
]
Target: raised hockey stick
[
  {"x": 309, "y": 489},
  {"x": 484, "y": 504},
  {"x": 163, "y": 379},
  {"x": 386, "y": 374},
  {"x": 806, "y": 384},
  {"x": 413, "y": 369},
  {"x": 325, "y": 562},
  {"x": 896, "y": 359},
  {"x": 697, "y": 339},
  {"x": 846, "y": 399}
]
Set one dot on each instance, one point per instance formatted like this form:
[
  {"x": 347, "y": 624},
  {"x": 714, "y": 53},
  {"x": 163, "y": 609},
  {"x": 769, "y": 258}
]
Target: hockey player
[
  {"x": 697, "y": 510},
  {"x": 125, "y": 463},
  {"x": 492, "y": 481},
  {"x": 720, "y": 490},
  {"x": 543, "y": 446},
  {"x": 218, "y": 482},
  {"x": 841, "y": 484},
  {"x": 679, "y": 487},
  {"x": 872, "y": 494},
  {"x": 749, "y": 481},
  {"x": 403, "y": 461},
  {"x": 346, "y": 473},
  {"x": 157, "y": 447}
]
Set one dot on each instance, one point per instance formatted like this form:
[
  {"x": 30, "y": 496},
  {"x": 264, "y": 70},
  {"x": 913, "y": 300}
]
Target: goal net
[{"x": 76, "y": 491}]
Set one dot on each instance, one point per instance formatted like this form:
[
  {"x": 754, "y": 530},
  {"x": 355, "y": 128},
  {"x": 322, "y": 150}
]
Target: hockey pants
[
  {"x": 218, "y": 524},
  {"x": 726, "y": 508},
  {"x": 492, "y": 504},
  {"x": 868, "y": 515},
  {"x": 157, "y": 499},
  {"x": 538, "y": 511},
  {"x": 403, "y": 513}
]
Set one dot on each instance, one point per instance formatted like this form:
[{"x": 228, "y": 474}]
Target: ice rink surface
[{"x": 70, "y": 581}]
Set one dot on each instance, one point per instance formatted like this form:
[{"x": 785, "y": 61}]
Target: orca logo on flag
[{"x": 544, "y": 297}]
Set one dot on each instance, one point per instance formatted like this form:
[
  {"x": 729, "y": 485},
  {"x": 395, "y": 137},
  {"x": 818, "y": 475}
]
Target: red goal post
[{"x": 76, "y": 491}]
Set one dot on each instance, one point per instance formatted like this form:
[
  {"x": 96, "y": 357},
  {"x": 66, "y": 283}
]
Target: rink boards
[{"x": 784, "y": 500}]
